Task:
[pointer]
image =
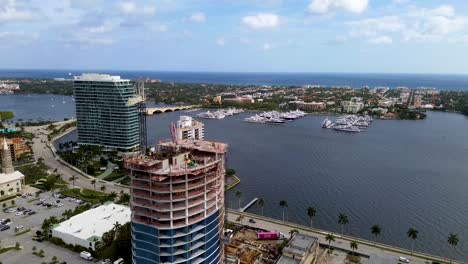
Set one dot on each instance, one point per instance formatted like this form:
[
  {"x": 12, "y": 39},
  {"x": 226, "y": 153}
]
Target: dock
[{"x": 249, "y": 205}]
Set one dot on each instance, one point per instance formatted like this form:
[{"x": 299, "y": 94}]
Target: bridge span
[{"x": 157, "y": 110}]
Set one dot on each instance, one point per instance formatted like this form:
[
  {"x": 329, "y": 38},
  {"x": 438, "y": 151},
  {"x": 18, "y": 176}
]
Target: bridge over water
[{"x": 157, "y": 110}]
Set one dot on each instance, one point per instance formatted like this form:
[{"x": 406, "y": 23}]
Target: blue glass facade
[{"x": 193, "y": 244}]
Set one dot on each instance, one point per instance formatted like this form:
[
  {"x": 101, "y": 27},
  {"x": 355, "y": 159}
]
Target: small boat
[
  {"x": 327, "y": 123},
  {"x": 347, "y": 128}
]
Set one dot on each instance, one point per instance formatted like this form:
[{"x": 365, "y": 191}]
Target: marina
[
  {"x": 220, "y": 114},
  {"x": 348, "y": 123},
  {"x": 275, "y": 117}
]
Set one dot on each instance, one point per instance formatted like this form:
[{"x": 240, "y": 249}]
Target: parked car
[
  {"x": 19, "y": 213},
  {"x": 86, "y": 255},
  {"x": 106, "y": 261},
  {"x": 4, "y": 227},
  {"x": 38, "y": 203},
  {"x": 252, "y": 221},
  {"x": 18, "y": 227},
  {"x": 404, "y": 260},
  {"x": 31, "y": 213}
]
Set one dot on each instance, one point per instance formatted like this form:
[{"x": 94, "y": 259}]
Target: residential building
[
  {"x": 11, "y": 181},
  {"x": 301, "y": 249},
  {"x": 87, "y": 228},
  {"x": 187, "y": 128},
  {"x": 242, "y": 99},
  {"x": 385, "y": 103},
  {"x": 177, "y": 202},
  {"x": 352, "y": 106},
  {"x": 108, "y": 112},
  {"x": 17, "y": 147},
  {"x": 313, "y": 106}
]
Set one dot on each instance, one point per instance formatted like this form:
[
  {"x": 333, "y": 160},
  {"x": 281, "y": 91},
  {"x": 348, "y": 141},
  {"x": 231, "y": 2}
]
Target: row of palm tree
[{"x": 343, "y": 220}]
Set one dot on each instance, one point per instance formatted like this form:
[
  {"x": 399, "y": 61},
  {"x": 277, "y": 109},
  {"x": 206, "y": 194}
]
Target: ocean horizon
[{"x": 458, "y": 82}]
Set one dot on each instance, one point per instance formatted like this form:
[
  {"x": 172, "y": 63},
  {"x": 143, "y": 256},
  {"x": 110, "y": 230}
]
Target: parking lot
[{"x": 34, "y": 222}]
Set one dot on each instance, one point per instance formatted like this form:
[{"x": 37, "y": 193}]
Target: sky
[{"x": 383, "y": 36}]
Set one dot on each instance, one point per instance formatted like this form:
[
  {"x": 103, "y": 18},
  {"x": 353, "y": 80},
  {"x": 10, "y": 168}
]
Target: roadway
[
  {"x": 364, "y": 247},
  {"x": 41, "y": 150}
]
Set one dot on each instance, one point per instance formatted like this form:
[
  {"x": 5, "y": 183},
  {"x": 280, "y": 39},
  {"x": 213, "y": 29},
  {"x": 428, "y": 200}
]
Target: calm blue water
[
  {"x": 398, "y": 174},
  {"x": 442, "y": 82}
]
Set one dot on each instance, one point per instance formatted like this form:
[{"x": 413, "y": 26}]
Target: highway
[{"x": 41, "y": 150}]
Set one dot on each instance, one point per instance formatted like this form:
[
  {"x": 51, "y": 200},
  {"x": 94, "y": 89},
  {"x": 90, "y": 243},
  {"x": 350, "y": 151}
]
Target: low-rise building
[
  {"x": 385, "y": 103},
  {"x": 87, "y": 228},
  {"x": 242, "y": 99},
  {"x": 301, "y": 249},
  {"x": 352, "y": 106},
  {"x": 312, "y": 106}
]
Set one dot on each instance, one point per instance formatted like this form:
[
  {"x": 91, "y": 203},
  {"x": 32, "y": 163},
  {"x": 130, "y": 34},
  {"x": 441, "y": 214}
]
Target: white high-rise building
[{"x": 187, "y": 128}]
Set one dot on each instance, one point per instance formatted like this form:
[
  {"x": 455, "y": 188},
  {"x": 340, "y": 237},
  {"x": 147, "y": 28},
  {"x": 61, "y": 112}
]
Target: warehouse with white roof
[{"x": 87, "y": 228}]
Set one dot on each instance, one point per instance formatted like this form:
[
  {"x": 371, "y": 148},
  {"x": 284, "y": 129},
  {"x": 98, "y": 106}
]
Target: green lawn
[
  {"x": 114, "y": 176},
  {"x": 6, "y": 115},
  {"x": 6, "y": 249},
  {"x": 87, "y": 195}
]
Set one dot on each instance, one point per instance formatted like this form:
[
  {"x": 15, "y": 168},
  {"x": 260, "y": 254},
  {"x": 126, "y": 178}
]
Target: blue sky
[{"x": 394, "y": 36}]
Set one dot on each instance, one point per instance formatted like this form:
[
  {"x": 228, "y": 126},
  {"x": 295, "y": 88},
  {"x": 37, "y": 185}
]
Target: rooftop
[
  {"x": 16, "y": 175},
  {"x": 95, "y": 222},
  {"x": 96, "y": 77},
  {"x": 204, "y": 146},
  {"x": 300, "y": 244}
]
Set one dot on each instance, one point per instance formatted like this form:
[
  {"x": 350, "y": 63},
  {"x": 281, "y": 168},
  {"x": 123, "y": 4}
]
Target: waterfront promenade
[{"x": 365, "y": 247}]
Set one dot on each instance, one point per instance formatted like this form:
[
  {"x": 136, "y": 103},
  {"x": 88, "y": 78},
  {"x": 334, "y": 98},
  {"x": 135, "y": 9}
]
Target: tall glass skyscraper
[
  {"x": 107, "y": 112},
  {"x": 177, "y": 201}
]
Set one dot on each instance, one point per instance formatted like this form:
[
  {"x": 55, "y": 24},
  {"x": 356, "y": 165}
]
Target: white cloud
[
  {"x": 375, "y": 26},
  {"x": 221, "y": 41},
  {"x": 261, "y": 20},
  {"x": 106, "y": 27},
  {"x": 328, "y": 6},
  {"x": 381, "y": 40},
  {"x": 198, "y": 17},
  {"x": 420, "y": 24},
  {"x": 266, "y": 46},
  {"x": 18, "y": 37},
  {"x": 131, "y": 8},
  {"x": 9, "y": 12}
]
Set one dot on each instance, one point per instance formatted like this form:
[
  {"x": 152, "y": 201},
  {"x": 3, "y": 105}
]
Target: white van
[
  {"x": 86, "y": 255},
  {"x": 119, "y": 261}
]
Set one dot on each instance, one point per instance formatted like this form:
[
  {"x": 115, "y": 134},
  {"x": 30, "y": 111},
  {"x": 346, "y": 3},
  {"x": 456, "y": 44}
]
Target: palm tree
[
  {"x": 93, "y": 182},
  {"x": 342, "y": 220},
  {"x": 376, "y": 230},
  {"x": 239, "y": 195},
  {"x": 117, "y": 225},
  {"x": 354, "y": 246},
  {"x": 311, "y": 211},
  {"x": 292, "y": 232},
  {"x": 261, "y": 202},
  {"x": 283, "y": 204},
  {"x": 72, "y": 179},
  {"x": 113, "y": 195},
  {"x": 330, "y": 238},
  {"x": 453, "y": 241},
  {"x": 412, "y": 234}
]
